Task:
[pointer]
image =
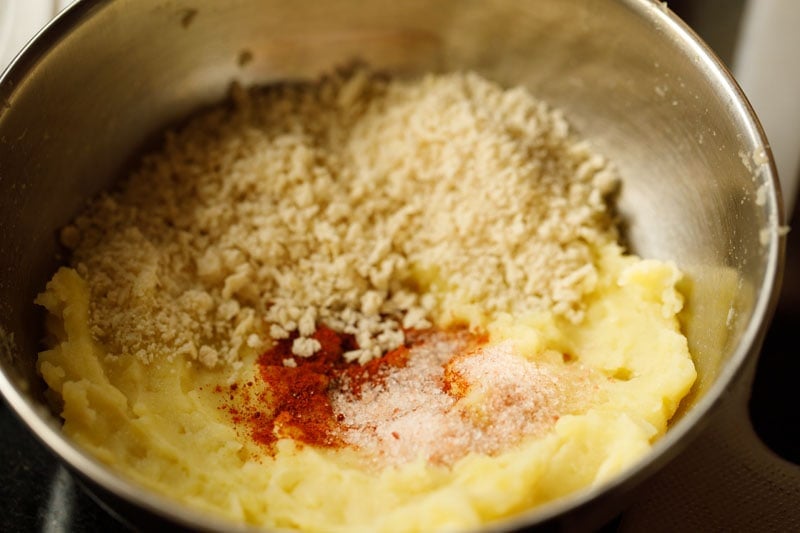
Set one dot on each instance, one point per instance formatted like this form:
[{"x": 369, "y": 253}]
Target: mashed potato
[{"x": 157, "y": 409}]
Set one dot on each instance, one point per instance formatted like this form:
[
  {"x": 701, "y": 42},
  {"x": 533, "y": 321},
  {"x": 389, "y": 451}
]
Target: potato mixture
[{"x": 368, "y": 304}]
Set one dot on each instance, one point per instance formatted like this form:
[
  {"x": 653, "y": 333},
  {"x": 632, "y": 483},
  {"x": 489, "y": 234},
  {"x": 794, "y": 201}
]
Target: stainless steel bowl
[{"x": 700, "y": 188}]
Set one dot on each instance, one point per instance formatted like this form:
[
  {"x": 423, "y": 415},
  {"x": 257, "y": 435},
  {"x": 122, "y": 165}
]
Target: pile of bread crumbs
[{"x": 367, "y": 204}]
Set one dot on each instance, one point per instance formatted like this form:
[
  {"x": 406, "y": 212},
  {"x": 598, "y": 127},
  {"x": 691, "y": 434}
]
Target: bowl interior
[{"x": 698, "y": 184}]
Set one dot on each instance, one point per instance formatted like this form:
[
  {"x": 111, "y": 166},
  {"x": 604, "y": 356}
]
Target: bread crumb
[
  {"x": 208, "y": 356},
  {"x": 305, "y": 347},
  {"x": 70, "y": 237},
  {"x": 366, "y": 204}
]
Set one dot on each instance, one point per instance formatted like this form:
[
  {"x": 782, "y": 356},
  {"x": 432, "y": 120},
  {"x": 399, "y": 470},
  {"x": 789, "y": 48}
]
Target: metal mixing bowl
[{"x": 699, "y": 187}]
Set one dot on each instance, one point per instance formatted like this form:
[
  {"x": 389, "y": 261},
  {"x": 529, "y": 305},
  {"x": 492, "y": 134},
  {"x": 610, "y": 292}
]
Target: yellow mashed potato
[{"x": 161, "y": 424}]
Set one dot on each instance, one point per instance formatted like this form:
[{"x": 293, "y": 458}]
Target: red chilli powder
[{"x": 443, "y": 395}]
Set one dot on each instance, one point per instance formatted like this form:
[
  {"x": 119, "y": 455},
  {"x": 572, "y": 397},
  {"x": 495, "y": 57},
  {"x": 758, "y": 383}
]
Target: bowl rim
[{"x": 46, "y": 428}]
